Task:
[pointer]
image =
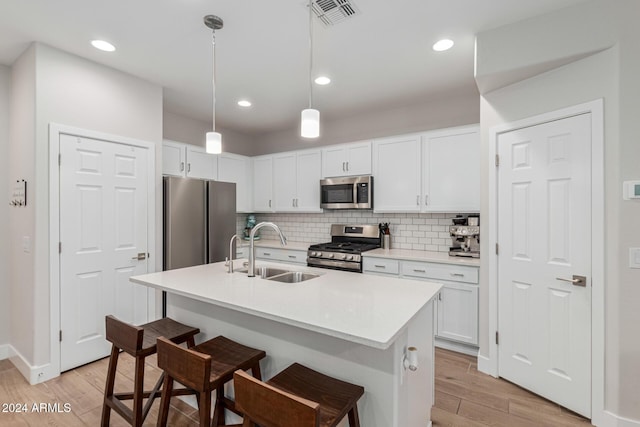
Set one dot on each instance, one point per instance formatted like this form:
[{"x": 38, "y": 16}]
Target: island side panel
[
  {"x": 386, "y": 400},
  {"x": 421, "y": 383}
]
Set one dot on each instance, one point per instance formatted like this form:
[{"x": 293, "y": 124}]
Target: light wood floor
[{"x": 464, "y": 397}]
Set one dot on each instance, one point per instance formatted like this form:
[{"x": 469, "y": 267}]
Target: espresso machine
[{"x": 465, "y": 236}]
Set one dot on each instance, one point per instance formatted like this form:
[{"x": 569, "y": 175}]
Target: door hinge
[
  {"x": 497, "y": 338},
  {"x": 497, "y": 249},
  {"x": 59, "y": 247},
  {"x": 60, "y": 335},
  {"x": 497, "y": 160}
]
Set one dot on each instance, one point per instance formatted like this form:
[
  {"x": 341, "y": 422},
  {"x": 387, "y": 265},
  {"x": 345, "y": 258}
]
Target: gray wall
[
  {"x": 5, "y": 88},
  {"x": 179, "y": 128},
  {"x": 75, "y": 92},
  {"x": 611, "y": 74}
]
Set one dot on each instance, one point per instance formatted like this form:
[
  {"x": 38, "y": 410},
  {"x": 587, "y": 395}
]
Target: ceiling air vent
[{"x": 331, "y": 12}]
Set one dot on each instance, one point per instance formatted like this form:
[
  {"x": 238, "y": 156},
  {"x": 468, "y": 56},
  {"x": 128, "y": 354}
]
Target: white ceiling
[{"x": 381, "y": 57}]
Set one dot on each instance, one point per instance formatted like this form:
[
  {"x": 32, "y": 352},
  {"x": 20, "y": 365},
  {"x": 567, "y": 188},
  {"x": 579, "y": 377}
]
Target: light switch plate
[
  {"x": 630, "y": 190},
  {"x": 26, "y": 244},
  {"x": 634, "y": 257}
]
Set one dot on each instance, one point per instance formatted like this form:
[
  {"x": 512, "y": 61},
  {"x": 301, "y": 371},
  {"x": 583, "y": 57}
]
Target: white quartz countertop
[
  {"x": 361, "y": 308},
  {"x": 426, "y": 256}
]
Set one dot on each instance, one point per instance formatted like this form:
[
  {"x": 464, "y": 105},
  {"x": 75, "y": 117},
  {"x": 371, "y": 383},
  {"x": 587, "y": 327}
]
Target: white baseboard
[
  {"x": 484, "y": 365},
  {"x": 458, "y": 347},
  {"x": 610, "y": 419},
  {"x": 4, "y": 351},
  {"x": 33, "y": 374}
]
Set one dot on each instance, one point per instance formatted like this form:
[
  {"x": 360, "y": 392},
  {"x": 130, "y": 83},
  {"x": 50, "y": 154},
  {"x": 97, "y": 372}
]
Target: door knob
[
  {"x": 575, "y": 281},
  {"x": 140, "y": 257}
]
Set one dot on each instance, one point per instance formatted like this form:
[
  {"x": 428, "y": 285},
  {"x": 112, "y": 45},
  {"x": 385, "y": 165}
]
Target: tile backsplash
[{"x": 416, "y": 231}]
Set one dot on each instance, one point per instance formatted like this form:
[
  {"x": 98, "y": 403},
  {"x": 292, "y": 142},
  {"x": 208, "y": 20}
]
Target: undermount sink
[
  {"x": 265, "y": 272},
  {"x": 293, "y": 277}
]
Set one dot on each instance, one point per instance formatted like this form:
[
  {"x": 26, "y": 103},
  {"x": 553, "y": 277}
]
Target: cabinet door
[
  {"x": 458, "y": 312},
  {"x": 284, "y": 182},
  {"x": 200, "y": 164},
  {"x": 308, "y": 172},
  {"x": 396, "y": 167},
  {"x": 173, "y": 158},
  {"x": 451, "y": 172},
  {"x": 334, "y": 162},
  {"x": 235, "y": 168},
  {"x": 263, "y": 184},
  {"x": 358, "y": 157}
]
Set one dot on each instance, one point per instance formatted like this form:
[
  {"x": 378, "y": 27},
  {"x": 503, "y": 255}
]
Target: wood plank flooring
[{"x": 464, "y": 397}]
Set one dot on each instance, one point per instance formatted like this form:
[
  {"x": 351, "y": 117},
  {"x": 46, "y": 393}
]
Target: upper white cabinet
[
  {"x": 296, "y": 181},
  {"x": 236, "y": 168},
  {"x": 347, "y": 159},
  {"x": 436, "y": 171},
  {"x": 188, "y": 161},
  {"x": 451, "y": 170},
  {"x": 396, "y": 169},
  {"x": 263, "y": 184}
]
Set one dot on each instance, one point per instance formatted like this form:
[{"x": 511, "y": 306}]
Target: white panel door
[
  {"x": 263, "y": 184},
  {"x": 396, "y": 167},
  {"x": 200, "y": 164},
  {"x": 334, "y": 162},
  {"x": 236, "y": 168},
  {"x": 359, "y": 158},
  {"x": 544, "y": 232},
  {"x": 173, "y": 158},
  {"x": 103, "y": 228}
]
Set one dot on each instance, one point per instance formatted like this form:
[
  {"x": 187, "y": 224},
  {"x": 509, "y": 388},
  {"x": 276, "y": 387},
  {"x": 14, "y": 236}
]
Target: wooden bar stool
[
  {"x": 296, "y": 397},
  {"x": 205, "y": 368},
  {"x": 139, "y": 342}
]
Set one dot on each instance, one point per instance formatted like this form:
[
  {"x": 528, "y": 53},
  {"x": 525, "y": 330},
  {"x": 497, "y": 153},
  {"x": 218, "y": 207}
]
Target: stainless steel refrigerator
[{"x": 199, "y": 220}]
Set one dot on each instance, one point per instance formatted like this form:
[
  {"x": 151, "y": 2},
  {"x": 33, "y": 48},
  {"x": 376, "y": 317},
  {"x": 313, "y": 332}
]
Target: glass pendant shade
[
  {"x": 214, "y": 143},
  {"x": 310, "y": 127}
]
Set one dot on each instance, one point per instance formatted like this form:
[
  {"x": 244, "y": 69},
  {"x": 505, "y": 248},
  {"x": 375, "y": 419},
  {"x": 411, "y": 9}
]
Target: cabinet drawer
[
  {"x": 276, "y": 254},
  {"x": 380, "y": 265},
  {"x": 455, "y": 273}
]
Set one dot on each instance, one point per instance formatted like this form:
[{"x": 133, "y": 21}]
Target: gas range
[{"x": 345, "y": 249}]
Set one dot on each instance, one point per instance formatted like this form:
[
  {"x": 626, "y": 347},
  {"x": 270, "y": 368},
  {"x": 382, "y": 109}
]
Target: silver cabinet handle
[
  {"x": 575, "y": 281},
  {"x": 296, "y": 203},
  {"x": 426, "y": 200},
  {"x": 347, "y": 166},
  {"x": 266, "y": 253},
  {"x": 293, "y": 256},
  {"x": 181, "y": 166},
  {"x": 419, "y": 271},
  {"x": 343, "y": 167},
  {"x": 188, "y": 167},
  {"x": 380, "y": 266},
  {"x": 269, "y": 202},
  {"x": 457, "y": 274},
  {"x": 293, "y": 203},
  {"x": 418, "y": 200}
]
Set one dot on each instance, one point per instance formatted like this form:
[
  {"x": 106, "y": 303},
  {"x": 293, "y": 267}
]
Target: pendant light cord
[
  {"x": 310, "y": 53},
  {"x": 213, "y": 42}
]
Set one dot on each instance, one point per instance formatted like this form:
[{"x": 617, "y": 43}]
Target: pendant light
[
  {"x": 310, "y": 124},
  {"x": 214, "y": 139}
]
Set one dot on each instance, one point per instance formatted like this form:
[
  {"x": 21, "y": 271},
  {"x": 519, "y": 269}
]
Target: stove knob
[
  {"x": 343, "y": 256},
  {"x": 314, "y": 253},
  {"x": 350, "y": 258},
  {"x": 319, "y": 254},
  {"x": 330, "y": 256}
]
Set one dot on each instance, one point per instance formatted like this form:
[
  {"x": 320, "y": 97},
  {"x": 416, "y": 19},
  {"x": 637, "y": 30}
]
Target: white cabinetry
[
  {"x": 263, "y": 183},
  {"x": 396, "y": 169},
  {"x": 457, "y": 305},
  {"x": 347, "y": 159},
  {"x": 188, "y": 161},
  {"x": 296, "y": 181},
  {"x": 280, "y": 254},
  {"x": 236, "y": 168},
  {"x": 451, "y": 170},
  {"x": 436, "y": 171}
]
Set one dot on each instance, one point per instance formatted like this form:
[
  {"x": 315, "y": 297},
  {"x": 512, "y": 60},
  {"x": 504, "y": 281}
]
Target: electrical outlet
[{"x": 26, "y": 244}]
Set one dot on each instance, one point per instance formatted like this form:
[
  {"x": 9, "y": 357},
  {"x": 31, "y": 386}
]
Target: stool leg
[
  {"x": 204, "y": 403},
  {"x": 138, "y": 390},
  {"x": 255, "y": 371},
  {"x": 354, "y": 420},
  {"x": 165, "y": 401},
  {"x": 191, "y": 342},
  {"x": 108, "y": 389}
]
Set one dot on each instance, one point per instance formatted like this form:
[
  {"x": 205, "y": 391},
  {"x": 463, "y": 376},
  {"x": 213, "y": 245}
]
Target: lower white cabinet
[
  {"x": 282, "y": 255},
  {"x": 457, "y": 304}
]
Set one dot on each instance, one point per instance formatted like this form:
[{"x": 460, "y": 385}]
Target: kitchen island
[{"x": 351, "y": 326}]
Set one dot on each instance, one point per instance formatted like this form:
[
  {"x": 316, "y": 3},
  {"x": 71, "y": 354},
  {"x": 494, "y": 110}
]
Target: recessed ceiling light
[
  {"x": 443, "y": 44},
  {"x": 103, "y": 45},
  {"x": 244, "y": 103},
  {"x": 322, "y": 80}
]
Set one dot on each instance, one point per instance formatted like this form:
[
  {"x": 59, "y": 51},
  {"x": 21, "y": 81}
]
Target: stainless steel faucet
[
  {"x": 251, "y": 271},
  {"x": 230, "y": 259}
]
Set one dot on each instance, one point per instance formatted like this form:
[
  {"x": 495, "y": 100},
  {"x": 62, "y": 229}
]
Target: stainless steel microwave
[{"x": 349, "y": 192}]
